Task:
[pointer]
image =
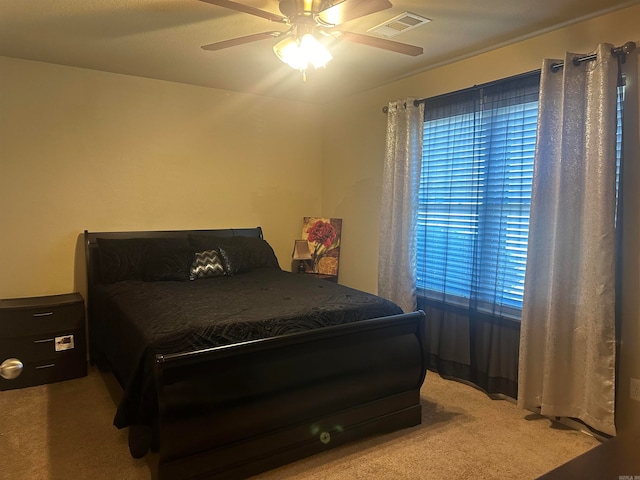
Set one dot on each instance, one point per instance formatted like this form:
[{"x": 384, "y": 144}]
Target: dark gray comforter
[{"x": 138, "y": 320}]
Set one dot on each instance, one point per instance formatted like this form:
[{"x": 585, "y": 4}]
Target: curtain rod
[
  {"x": 470, "y": 89},
  {"x": 622, "y": 50}
]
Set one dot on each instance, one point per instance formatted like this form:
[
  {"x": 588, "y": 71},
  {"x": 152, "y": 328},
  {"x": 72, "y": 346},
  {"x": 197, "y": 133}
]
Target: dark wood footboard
[{"x": 234, "y": 411}]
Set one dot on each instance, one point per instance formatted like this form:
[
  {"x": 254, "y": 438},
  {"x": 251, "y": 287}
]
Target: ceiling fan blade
[
  {"x": 240, "y": 40},
  {"x": 345, "y": 11},
  {"x": 390, "y": 45},
  {"x": 240, "y": 7}
]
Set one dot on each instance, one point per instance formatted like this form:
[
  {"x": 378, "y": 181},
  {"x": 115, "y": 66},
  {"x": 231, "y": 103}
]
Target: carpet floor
[{"x": 64, "y": 431}]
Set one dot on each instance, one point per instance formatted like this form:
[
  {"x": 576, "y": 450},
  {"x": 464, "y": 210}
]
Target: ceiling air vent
[{"x": 402, "y": 23}]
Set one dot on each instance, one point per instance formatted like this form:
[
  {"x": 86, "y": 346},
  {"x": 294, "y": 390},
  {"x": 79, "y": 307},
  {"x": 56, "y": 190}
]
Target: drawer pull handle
[
  {"x": 49, "y": 365},
  {"x": 11, "y": 368},
  {"x": 44, "y": 340},
  {"x": 43, "y": 314}
]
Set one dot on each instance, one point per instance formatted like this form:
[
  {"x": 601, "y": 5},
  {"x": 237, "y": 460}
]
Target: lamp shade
[{"x": 301, "y": 250}]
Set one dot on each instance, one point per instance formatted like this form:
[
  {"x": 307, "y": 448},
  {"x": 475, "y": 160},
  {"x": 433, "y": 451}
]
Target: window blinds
[{"x": 475, "y": 192}]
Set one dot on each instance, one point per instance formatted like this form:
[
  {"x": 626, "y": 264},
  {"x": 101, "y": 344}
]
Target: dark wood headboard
[{"x": 91, "y": 244}]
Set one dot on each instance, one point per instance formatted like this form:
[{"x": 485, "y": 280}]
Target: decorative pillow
[
  {"x": 122, "y": 259},
  {"x": 206, "y": 264},
  {"x": 235, "y": 257},
  {"x": 260, "y": 252},
  {"x": 169, "y": 264},
  {"x": 127, "y": 258},
  {"x": 248, "y": 252}
]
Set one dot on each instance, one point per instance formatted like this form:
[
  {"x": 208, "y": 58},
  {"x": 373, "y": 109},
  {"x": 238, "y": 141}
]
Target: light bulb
[
  {"x": 299, "y": 53},
  {"x": 314, "y": 52}
]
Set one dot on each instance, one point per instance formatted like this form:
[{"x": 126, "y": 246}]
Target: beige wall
[
  {"x": 354, "y": 146},
  {"x": 81, "y": 149}
]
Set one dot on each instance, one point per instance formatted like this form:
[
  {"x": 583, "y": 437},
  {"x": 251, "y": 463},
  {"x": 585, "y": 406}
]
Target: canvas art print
[{"x": 323, "y": 237}]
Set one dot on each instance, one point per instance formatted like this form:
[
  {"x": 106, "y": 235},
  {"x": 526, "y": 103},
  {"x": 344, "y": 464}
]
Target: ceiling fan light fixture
[
  {"x": 301, "y": 52},
  {"x": 316, "y": 53}
]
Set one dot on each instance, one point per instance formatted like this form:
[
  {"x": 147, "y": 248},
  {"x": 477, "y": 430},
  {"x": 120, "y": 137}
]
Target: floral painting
[{"x": 323, "y": 236}]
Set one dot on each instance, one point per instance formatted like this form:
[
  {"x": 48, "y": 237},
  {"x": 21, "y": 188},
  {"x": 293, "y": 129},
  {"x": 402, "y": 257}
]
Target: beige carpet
[{"x": 64, "y": 431}]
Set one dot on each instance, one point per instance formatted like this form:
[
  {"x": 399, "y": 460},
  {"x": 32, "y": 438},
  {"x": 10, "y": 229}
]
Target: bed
[{"x": 230, "y": 365}]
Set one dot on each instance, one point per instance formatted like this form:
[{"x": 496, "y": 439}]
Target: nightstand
[{"x": 46, "y": 335}]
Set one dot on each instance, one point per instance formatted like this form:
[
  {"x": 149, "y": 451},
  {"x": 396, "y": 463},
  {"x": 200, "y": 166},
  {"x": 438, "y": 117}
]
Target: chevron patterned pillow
[{"x": 206, "y": 264}]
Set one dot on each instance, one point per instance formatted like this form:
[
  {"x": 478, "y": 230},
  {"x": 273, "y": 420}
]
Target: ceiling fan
[{"x": 307, "y": 20}]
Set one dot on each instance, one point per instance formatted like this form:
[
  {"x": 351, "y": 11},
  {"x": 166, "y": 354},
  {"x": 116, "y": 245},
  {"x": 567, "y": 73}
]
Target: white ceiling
[{"x": 161, "y": 39}]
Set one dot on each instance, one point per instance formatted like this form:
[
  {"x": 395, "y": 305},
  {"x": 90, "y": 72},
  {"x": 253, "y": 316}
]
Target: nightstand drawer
[
  {"x": 41, "y": 319},
  {"x": 37, "y": 347},
  {"x": 62, "y": 367}
]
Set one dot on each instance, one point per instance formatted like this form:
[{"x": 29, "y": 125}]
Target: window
[{"x": 475, "y": 193}]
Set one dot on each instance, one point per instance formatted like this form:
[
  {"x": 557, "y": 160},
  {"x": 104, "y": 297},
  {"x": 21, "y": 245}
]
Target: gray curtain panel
[
  {"x": 400, "y": 184},
  {"x": 567, "y": 343}
]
